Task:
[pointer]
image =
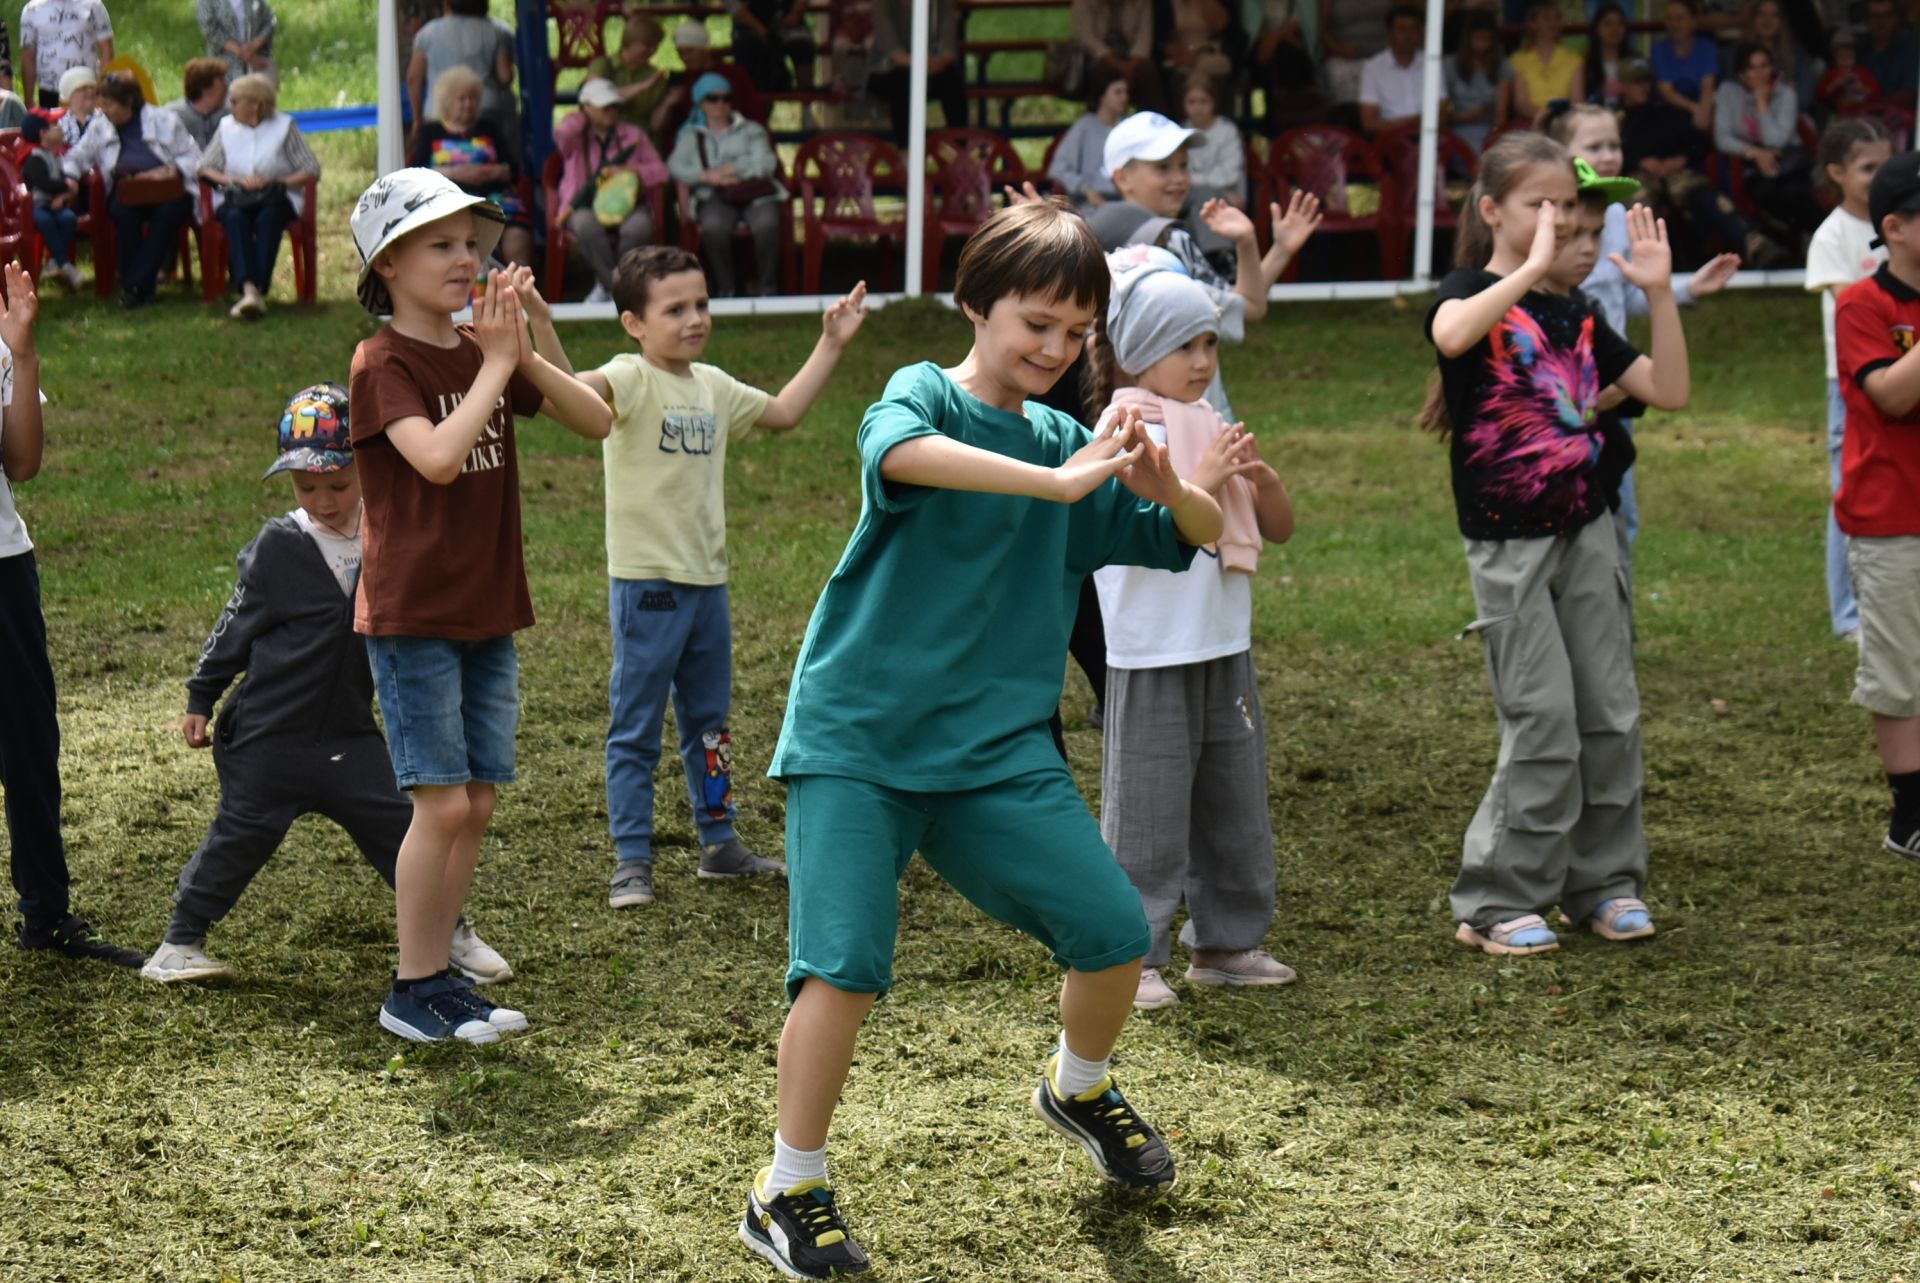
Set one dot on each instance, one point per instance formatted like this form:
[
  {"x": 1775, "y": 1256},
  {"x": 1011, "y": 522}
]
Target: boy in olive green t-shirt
[{"x": 667, "y": 552}]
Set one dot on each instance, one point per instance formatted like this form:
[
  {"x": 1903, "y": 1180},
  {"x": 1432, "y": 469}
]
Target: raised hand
[
  {"x": 1650, "y": 259},
  {"x": 1089, "y": 467},
  {"x": 1712, "y": 276},
  {"x": 498, "y": 325},
  {"x": 520, "y": 280},
  {"x": 1025, "y": 194},
  {"x": 1226, "y": 222},
  {"x": 1301, "y": 220},
  {"x": 842, "y": 321},
  {"x": 1540, "y": 253},
  {"x": 23, "y": 309}
]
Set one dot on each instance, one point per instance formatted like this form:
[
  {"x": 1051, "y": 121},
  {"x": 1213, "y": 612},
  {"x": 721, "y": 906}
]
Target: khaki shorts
[{"x": 1886, "y": 580}]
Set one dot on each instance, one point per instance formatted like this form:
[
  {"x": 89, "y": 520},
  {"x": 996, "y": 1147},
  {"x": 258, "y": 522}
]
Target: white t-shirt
[
  {"x": 13, "y": 531},
  {"x": 1837, "y": 257},
  {"x": 1161, "y": 618},
  {"x": 342, "y": 552},
  {"x": 1394, "y": 89},
  {"x": 63, "y": 34}
]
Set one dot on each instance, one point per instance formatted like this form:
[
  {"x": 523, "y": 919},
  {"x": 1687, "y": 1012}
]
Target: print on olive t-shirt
[{"x": 439, "y": 561}]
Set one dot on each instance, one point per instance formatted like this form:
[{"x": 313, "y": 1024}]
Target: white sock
[
  {"x": 794, "y": 1166},
  {"x": 1073, "y": 1076}
]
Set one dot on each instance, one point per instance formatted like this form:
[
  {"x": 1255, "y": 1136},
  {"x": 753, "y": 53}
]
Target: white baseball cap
[
  {"x": 692, "y": 34},
  {"x": 401, "y": 202},
  {"x": 599, "y": 92},
  {"x": 1147, "y": 135}
]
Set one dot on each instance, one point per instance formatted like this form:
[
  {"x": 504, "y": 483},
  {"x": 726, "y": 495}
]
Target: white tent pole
[
  {"x": 1429, "y": 142},
  {"x": 917, "y": 146},
  {"x": 388, "y": 149}
]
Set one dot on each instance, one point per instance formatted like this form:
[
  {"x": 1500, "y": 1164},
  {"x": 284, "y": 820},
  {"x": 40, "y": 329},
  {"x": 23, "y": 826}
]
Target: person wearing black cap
[
  {"x": 54, "y": 197},
  {"x": 1878, "y": 506}
]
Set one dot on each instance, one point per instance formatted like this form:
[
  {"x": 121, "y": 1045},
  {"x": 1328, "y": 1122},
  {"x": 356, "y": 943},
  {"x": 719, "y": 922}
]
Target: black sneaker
[
  {"x": 1903, "y": 840},
  {"x": 1123, "y": 1147},
  {"x": 73, "y": 937},
  {"x": 801, "y": 1232}
]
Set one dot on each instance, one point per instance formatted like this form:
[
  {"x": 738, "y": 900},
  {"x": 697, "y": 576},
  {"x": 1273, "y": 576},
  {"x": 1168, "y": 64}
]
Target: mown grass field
[{"x": 1734, "y": 1100}]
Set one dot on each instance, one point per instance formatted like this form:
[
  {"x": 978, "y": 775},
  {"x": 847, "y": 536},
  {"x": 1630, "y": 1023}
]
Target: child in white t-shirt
[
  {"x": 1190, "y": 824},
  {"x": 1842, "y": 252},
  {"x": 1219, "y": 167}
]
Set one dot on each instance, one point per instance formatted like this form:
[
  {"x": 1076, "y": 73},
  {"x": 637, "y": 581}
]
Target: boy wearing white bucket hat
[{"x": 443, "y": 582}]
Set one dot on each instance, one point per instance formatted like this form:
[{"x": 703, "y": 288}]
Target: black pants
[
  {"x": 264, "y": 787},
  {"x": 30, "y": 745},
  {"x": 895, "y": 86},
  {"x": 146, "y": 237},
  {"x": 765, "y": 57}
]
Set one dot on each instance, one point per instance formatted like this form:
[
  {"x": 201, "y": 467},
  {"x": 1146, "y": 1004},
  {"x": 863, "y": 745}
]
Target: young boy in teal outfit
[{"x": 918, "y": 715}]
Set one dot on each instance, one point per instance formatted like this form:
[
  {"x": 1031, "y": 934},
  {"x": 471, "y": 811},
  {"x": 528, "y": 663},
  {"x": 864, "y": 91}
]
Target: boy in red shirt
[{"x": 1878, "y": 506}]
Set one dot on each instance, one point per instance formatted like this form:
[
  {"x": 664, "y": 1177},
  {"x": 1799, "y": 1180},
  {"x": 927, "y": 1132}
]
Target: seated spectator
[
  {"x": 149, "y": 163},
  {"x": 204, "y": 105},
  {"x": 1393, "y": 84},
  {"x": 464, "y": 36},
  {"x": 766, "y": 34},
  {"x": 56, "y": 35},
  {"x": 1543, "y": 68},
  {"x": 1686, "y": 66},
  {"x": 850, "y": 28},
  {"x": 1847, "y": 87},
  {"x": 642, "y": 85},
  {"x": 55, "y": 197},
  {"x": 1217, "y": 164},
  {"x": 1479, "y": 82},
  {"x": 1351, "y": 31},
  {"x": 1767, "y": 27},
  {"x": 607, "y": 168},
  {"x": 1609, "y": 49},
  {"x": 1889, "y": 51},
  {"x": 1079, "y": 165},
  {"x": 1662, "y": 149},
  {"x": 80, "y": 95},
  {"x": 1118, "y": 37},
  {"x": 694, "y": 44},
  {"x": 256, "y": 152},
  {"x": 471, "y": 149},
  {"x": 1756, "y": 118},
  {"x": 240, "y": 34},
  {"x": 892, "y": 78},
  {"x": 13, "y": 109},
  {"x": 729, "y": 165},
  {"x": 1203, "y": 37},
  {"x": 1281, "y": 63}
]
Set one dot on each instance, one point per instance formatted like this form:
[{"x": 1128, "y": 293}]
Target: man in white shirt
[
  {"x": 56, "y": 35},
  {"x": 1393, "y": 81}
]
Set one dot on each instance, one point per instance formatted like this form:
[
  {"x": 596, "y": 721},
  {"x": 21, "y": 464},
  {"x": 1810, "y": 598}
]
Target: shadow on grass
[{"x": 1122, "y": 1224}]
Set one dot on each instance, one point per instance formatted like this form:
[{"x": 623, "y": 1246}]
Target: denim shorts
[{"x": 451, "y": 707}]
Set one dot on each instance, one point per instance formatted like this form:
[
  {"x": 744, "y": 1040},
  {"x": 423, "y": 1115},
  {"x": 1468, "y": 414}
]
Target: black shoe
[
  {"x": 72, "y": 937},
  {"x": 801, "y": 1232},
  {"x": 1903, "y": 840},
  {"x": 1123, "y": 1147}
]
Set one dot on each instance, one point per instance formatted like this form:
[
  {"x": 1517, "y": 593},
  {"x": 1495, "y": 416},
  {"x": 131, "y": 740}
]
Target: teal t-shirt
[{"x": 937, "y": 652}]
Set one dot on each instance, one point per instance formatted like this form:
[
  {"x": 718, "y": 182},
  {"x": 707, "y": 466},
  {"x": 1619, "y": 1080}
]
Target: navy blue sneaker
[
  {"x": 434, "y": 1011},
  {"x": 505, "y": 1019}
]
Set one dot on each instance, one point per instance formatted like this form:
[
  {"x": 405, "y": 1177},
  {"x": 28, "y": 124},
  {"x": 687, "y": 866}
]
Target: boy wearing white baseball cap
[{"x": 443, "y": 582}]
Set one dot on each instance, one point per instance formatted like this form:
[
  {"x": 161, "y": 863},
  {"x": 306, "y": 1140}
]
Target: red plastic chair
[
  {"x": 1897, "y": 117},
  {"x": 689, "y": 220},
  {"x": 1324, "y": 159},
  {"x": 97, "y": 226},
  {"x": 1399, "y": 152},
  {"x": 303, "y": 232},
  {"x": 1500, "y": 131},
  {"x": 967, "y": 168},
  {"x": 838, "y": 174},
  {"x": 582, "y": 26},
  {"x": 560, "y": 240},
  {"x": 18, "y": 239}
]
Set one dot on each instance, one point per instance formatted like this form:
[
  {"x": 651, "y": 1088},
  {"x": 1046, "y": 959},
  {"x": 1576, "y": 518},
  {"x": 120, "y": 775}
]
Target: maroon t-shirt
[{"x": 436, "y": 561}]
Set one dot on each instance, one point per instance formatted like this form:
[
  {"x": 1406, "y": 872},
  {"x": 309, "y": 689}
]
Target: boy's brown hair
[
  {"x": 1040, "y": 248},
  {"x": 633, "y": 279},
  {"x": 124, "y": 90},
  {"x": 200, "y": 75}
]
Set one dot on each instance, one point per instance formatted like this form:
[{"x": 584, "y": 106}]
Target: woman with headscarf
[
  {"x": 728, "y": 162},
  {"x": 256, "y": 152}
]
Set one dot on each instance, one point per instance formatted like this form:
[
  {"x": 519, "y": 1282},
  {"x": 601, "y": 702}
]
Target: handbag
[
  {"x": 136, "y": 192},
  {"x": 613, "y": 193},
  {"x": 254, "y": 197},
  {"x": 742, "y": 193}
]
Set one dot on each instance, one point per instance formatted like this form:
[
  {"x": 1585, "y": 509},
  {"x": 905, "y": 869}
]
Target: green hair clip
[{"x": 1618, "y": 191}]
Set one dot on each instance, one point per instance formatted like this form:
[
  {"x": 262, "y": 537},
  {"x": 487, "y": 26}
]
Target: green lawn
[{"x": 1732, "y": 1101}]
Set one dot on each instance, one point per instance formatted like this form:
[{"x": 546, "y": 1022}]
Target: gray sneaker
[
  {"x": 732, "y": 859},
  {"x": 632, "y": 885}
]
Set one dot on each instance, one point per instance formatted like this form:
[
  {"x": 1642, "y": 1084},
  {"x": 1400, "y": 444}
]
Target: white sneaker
[
  {"x": 172, "y": 963},
  {"x": 71, "y": 277},
  {"x": 475, "y": 958},
  {"x": 597, "y": 295},
  {"x": 1154, "y": 992},
  {"x": 1248, "y": 967}
]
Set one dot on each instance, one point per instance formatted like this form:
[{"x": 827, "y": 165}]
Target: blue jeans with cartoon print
[{"x": 669, "y": 639}]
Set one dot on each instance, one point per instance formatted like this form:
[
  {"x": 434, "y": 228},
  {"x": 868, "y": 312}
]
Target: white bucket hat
[
  {"x": 1147, "y": 135},
  {"x": 401, "y": 202},
  {"x": 75, "y": 78}
]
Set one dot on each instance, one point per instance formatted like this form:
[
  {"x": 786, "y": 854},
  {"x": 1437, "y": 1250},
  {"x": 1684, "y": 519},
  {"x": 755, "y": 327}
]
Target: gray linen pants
[
  {"x": 1561, "y": 821},
  {"x": 1183, "y": 800},
  {"x": 604, "y": 247}
]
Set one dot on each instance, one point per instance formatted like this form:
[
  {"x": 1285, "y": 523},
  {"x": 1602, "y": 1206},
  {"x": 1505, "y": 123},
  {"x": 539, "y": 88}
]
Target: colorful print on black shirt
[{"x": 1526, "y": 440}]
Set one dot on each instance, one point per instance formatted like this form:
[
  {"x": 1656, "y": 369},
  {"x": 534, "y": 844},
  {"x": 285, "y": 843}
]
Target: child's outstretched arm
[
  {"x": 1291, "y": 230},
  {"x": 837, "y": 327},
  {"x": 23, "y": 445},
  {"x": 1459, "y": 323},
  {"x": 568, "y": 401},
  {"x": 939, "y": 462},
  {"x": 1250, "y": 282},
  {"x": 1272, "y": 505},
  {"x": 437, "y": 451},
  {"x": 1661, "y": 379}
]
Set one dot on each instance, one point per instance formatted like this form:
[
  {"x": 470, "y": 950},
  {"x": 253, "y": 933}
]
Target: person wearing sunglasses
[{"x": 727, "y": 162}]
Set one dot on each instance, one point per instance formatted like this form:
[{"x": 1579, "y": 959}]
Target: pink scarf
[{"x": 1191, "y": 427}]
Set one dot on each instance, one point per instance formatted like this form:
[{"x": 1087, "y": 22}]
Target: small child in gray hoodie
[{"x": 297, "y": 736}]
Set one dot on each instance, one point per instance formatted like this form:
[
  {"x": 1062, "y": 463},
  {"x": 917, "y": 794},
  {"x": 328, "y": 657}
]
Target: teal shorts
[{"x": 1026, "y": 851}]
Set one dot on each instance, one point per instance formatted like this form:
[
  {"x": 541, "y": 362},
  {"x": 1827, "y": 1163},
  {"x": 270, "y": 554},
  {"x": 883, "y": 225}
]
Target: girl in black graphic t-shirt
[{"x": 1521, "y": 371}]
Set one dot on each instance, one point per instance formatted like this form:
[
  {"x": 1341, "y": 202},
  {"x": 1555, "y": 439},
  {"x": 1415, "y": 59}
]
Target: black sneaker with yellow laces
[
  {"x": 1123, "y": 1146},
  {"x": 801, "y": 1231}
]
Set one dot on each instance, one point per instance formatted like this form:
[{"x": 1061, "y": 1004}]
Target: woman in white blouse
[
  {"x": 149, "y": 162},
  {"x": 254, "y": 158}
]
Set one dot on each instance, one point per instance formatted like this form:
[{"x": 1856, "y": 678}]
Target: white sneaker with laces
[
  {"x": 174, "y": 963},
  {"x": 475, "y": 958},
  {"x": 1154, "y": 991},
  {"x": 1248, "y": 967}
]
